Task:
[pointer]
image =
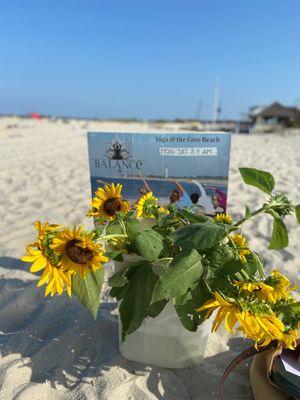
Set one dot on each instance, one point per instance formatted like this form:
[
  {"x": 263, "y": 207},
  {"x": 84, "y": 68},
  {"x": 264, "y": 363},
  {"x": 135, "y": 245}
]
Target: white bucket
[{"x": 163, "y": 341}]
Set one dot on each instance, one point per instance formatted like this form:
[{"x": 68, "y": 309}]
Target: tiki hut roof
[{"x": 276, "y": 110}]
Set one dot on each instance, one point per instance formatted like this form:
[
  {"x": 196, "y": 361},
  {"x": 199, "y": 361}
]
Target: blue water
[{"x": 161, "y": 189}]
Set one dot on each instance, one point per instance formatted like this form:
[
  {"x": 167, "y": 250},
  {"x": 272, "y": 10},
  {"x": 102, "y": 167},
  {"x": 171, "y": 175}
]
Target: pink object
[
  {"x": 35, "y": 116},
  {"x": 223, "y": 197}
]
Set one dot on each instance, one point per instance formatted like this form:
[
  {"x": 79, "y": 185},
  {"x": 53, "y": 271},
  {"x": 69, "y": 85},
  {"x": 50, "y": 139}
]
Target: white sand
[{"x": 52, "y": 349}]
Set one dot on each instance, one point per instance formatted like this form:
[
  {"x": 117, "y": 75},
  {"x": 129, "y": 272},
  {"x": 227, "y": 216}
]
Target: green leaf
[
  {"x": 260, "y": 179},
  {"x": 224, "y": 284},
  {"x": 201, "y": 294},
  {"x": 114, "y": 228},
  {"x": 114, "y": 255},
  {"x": 230, "y": 268},
  {"x": 182, "y": 274},
  {"x": 118, "y": 292},
  {"x": 280, "y": 237},
  {"x": 166, "y": 220},
  {"x": 190, "y": 216},
  {"x": 222, "y": 263},
  {"x": 255, "y": 263},
  {"x": 247, "y": 212},
  {"x": 130, "y": 226},
  {"x": 273, "y": 213},
  {"x": 149, "y": 244},
  {"x": 187, "y": 303},
  {"x": 185, "y": 310},
  {"x": 88, "y": 290},
  {"x": 156, "y": 308},
  {"x": 98, "y": 231},
  {"x": 119, "y": 279},
  {"x": 133, "y": 228},
  {"x": 136, "y": 299},
  {"x": 202, "y": 235},
  {"x": 219, "y": 256},
  {"x": 297, "y": 211}
]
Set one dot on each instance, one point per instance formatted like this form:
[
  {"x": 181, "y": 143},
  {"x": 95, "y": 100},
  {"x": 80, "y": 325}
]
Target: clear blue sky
[{"x": 147, "y": 59}]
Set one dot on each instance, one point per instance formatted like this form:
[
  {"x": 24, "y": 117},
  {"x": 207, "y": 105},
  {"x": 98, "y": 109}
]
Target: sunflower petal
[
  {"x": 39, "y": 263},
  {"x": 49, "y": 287},
  {"x": 29, "y": 258},
  {"x": 44, "y": 277},
  {"x": 230, "y": 321}
]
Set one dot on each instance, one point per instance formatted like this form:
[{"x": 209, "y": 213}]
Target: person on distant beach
[
  {"x": 216, "y": 202},
  {"x": 144, "y": 189},
  {"x": 222, "y": 197},
  {"x": 195, "y": 207},
  {"x": 180, "y": 197},
  {"x": 204, "y": 200},
  {"x": 194, "y": 198}
]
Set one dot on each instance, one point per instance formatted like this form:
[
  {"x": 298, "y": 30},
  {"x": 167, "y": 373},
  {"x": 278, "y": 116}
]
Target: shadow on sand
[{"x": 63, "y": 345}]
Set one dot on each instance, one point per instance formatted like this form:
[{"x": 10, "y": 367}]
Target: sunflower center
[
  {"x": 111, "y": 206},
  {"x": 78, "y": 254}
]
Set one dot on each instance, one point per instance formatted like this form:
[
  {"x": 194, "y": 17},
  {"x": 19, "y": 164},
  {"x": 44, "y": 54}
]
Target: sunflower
[
  {"x": 55, "y": 279},
  {"x": 225, "y": 218},
  {"x": 108, "y": 201},
  {"x": 44, "y": 228},
  {"x": 240, "y": 241},
  {"x": 227, "y": 311},
  {"x": 274, "y": 288},
  {"x": 146, "y": 205},
  {"x": 282, "y": 286},
  {"x": 261, "y": 328},
  {"x": 78, "y": 252},
  {"x": 260, "y": 290},
  {"x": 290, "y": 338},
  {"x": 164, "y": 210}
]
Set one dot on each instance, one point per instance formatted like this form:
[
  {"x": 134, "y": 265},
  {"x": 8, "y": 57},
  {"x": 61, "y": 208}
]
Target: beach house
[{"x": 274, "y": 117}]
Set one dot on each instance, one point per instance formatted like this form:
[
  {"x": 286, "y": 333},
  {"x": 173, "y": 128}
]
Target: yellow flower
[
  {"x": 79, "y": 253},
  {"x": 278, "y": 287},
  {"x": 164, "y": 210},
  {"x": 118, "y": 244},
  {"x": 227, "y": 311},
  {"x": 240, "y": 241},
  {"x": 108, "y": 201},
  {"x": 290, "y": 339},
  {"x": 261, "y": 328},
  {"x": 282, "y": 286},
  {"x": 55, "y": 279},
  {"x": 224, "y": 218},
  {"x": 145, "y": 206},
  {"x": 44, "y": 228},
  {"x": 260, "y": 290}
]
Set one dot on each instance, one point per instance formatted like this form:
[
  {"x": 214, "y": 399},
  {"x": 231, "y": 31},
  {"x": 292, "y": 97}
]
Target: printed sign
[{"x": 188, "y": 169}]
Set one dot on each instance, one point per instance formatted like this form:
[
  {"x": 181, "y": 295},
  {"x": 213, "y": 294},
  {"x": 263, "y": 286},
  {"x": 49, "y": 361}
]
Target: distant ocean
[{"x": 160, "y": 188}]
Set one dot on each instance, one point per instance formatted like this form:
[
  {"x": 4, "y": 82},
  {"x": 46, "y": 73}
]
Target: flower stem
[
  {"x": 116, "y": 235},
  {"x": 259, "y": 211},
  {"x": 244, "y": 274}
]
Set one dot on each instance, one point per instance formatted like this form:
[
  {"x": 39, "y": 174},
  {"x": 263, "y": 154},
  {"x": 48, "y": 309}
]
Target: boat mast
[{"x": 216, "y": 104}]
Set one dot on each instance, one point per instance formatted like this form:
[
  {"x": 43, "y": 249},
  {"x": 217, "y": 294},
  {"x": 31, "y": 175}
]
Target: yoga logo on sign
[
  {"x": 118, "y": 150},
  {"x": 118, "y": 156}
]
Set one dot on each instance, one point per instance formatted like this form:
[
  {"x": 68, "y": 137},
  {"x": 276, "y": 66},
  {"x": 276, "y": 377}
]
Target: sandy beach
[{"x": 52, "y": 348}]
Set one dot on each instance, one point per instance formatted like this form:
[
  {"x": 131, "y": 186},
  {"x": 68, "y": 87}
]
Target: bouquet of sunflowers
[{"x": 200, "y": 263}]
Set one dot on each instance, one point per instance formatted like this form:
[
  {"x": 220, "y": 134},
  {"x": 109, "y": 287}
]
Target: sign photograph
[{"x": 189, "y": 169}]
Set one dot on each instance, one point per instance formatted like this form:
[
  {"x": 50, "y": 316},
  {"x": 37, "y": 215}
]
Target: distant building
[{"x": 274, "y": 117}]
